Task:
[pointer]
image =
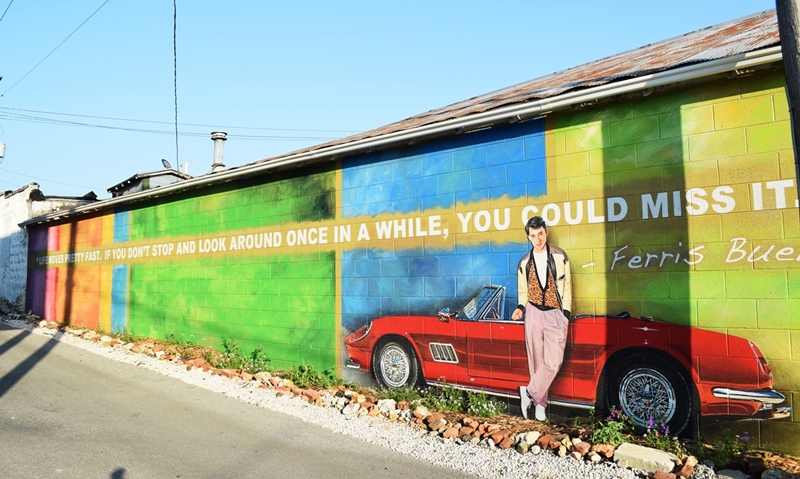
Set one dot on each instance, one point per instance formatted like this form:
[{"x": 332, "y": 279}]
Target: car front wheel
[
  {"x": 652, "y": 394},
  {"x": 396, "y": 365}
]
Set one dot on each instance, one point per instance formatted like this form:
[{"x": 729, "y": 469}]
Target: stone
[
  {"x": 581, "y": 448},
  {"x": 371, "y": 399},
  {"x": 128, "y": 346},
  {"x": 562, "y": 450},
  {"x": 351, "y": 408},
  {"x": 433, "y": 417},
  {"x": 732, "y": 474},
  {"x": 755, "y": 465},
  {"x": 532, "y": 436},
  {"x": 359, "y": 398},
  {"x": 421, "y": 412},
  {"x": 393, "y": 415},
  {"x": 367, "y": 405},
  {"x": 105, "y": 340},
  {"x": 576, "y": 455},
  {"x": 289, "y": 384},
  {"x": 775, "y": 473},
  {"x": 663, "y": 475},
  {"x": 523, "y": 447},
  {"x": 387, "y": 405},
  {"x": 605, "y": 450},
  {"x": 629, "y": 455},
  {"x": 465, "y": 431},
  {"x": 311, "y": 394},
  {"x": 275, "y": 381},
  {"x": 246, "y": 376},
  {"x": 544, "y": 441},
  {"x": 595, "y": 457},
  {"x": 263, "y": 376},
  {"x": 437, "y": 425},
  {"x": 137, "y": 348},
  {"x": 374, "y": 411},
  {"x": 404, "y": 405},
  {"x": 506, "y": 443},
  {"x": 687, "y": 469},
  {"x": 450, "y": 433}
]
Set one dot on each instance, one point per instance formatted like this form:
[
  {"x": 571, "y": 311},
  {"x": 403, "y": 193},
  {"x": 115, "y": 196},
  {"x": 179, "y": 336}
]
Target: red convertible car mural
[{"x": 648, "y": 368}]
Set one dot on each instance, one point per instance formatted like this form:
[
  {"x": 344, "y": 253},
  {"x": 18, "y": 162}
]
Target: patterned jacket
[{"x": 558, "y": 264}]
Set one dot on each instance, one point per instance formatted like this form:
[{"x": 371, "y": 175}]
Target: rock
[
  {"x": 506, "y": 443},
  {"x": 775, "y": 473},
  {"x": 535, "y": 449},
  {"x": 263, "y": 376},
  {"x": 688, "y": 467},
  {"x": 701, "y": 471},
  {"x": 404, "y": 405},
  {"x": 663, "y": 475},
  {"x": 373, "y": 412},
  {"x": 523, "y": 447},
  {"x": 246, "y": 376},
  {"x": 562, "y": 450},
  {"x": 732, "y": 474},
  {"x": 465, "y": 431},
  {"x": 437, "y": 425},
  {"x": 90, "y": 335},
  {"x": 433, "y": 417},
  {"x": 544, "y": 441},
  {"x": 450, "y": 433},
  {"x": 289, "y": 384},
  {"x": 105, "y": 340},
  {"x": 581, "y": 448},
  {"x": 371, "y": 398},
  {"x": 160, "y": 354},
  {"x": 275, "y": 381},
  {"x": 498, "y": 436},
  {"x": 421, "y": 412},
  {"x": 393, "y": 415},
  {"x": 312, "y": 394},
  {"x": 645, "y": 458},
  {"x": 595, "y": 457},
  {"x": 127, "y": 346},
  {"x": 605, "y": 450},
  {"x": 755, "y": 465},
  {"x": 351, "y": 408},
  {"x": 532, "y": 436},
  {"x": 387, "y": 405},
  {"x": 576, "y": 455}
]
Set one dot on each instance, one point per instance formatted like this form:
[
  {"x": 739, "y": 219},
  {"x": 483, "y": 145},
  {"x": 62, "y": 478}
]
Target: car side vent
[{"x": 443, "y": 353}]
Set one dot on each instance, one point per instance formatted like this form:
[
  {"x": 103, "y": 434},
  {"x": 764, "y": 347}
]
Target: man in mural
[{"x": 545, "y": 299}]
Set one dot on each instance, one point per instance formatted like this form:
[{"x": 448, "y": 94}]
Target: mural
[{"x": 680, "y": 206}]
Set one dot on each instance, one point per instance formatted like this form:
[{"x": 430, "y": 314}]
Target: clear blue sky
[{"x": 299, "y": 68}]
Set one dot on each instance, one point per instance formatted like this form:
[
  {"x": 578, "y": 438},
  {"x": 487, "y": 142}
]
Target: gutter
[{"x": 507, "y": 114}]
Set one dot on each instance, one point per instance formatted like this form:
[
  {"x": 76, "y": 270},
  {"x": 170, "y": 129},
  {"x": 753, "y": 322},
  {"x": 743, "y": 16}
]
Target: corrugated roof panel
[{"x": 719, "y": 41}]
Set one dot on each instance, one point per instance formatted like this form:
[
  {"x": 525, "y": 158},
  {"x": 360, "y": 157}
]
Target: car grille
[{"x": 443, "y": 353}]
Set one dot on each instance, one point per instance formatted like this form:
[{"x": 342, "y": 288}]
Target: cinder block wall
[{"x": 679, "y": 205}]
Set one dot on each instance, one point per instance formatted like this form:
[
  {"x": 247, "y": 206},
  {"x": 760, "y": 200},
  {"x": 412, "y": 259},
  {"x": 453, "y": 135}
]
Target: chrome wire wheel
[
  {"x": 647, "y": 397},
  {"x": 395, "y": 366}
]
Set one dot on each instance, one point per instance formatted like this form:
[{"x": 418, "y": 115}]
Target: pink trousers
[{"x": 545, "y": 339}]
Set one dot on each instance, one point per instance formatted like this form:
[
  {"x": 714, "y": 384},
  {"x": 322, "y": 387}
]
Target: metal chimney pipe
[{"x": 218, "y": 137}]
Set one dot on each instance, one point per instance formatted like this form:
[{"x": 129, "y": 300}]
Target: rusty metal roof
[{"x": 727, "y": 39}]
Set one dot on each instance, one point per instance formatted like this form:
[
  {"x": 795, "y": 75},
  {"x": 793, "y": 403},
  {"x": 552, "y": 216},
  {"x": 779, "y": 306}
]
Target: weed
[
  {"x": 730, "y": 446},
  {"x": 613, "y": 430},
  {"x": 305, "y": 376},
  {"x": 445, "y": 398},
  {"x": 233, "y": 358},
  {"x": 404, "y": 393},
  {"x": 480, "y": 404},
  {"x": 129, "y": 337},
  {"x": 657, "y": 436}
]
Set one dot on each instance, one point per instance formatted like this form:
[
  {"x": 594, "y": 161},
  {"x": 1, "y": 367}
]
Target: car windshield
[{"x": 477, "y": 304}]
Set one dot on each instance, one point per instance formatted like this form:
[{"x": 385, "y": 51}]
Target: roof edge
[{"x": 511, "y": 113}]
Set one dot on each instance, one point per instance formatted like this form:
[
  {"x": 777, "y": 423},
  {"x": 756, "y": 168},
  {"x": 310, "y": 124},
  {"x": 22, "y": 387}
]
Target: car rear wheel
[
  {"x": 651, "y": 392},
  {"x": 396, "y": 365}
]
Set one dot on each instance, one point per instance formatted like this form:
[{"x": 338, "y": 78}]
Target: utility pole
[{"x": 789, "y": 29}]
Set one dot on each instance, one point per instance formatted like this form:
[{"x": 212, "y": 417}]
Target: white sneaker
[
  {"x": 540, "y": 413},
  {"x": 524, "y": 401}
]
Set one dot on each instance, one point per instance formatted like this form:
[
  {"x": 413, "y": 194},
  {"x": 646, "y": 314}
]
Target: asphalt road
[{"x": 68, "y": 413}]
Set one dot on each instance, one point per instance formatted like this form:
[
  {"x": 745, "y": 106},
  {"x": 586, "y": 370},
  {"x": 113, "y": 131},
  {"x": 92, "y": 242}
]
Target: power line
[
  {"x": 45, "y": 179},
  {"x": 10, "y": 116},
  {"x": 54, "y": 49},
  {"x": 170, "y": 123},
  {"x": 6, "y": 10}
]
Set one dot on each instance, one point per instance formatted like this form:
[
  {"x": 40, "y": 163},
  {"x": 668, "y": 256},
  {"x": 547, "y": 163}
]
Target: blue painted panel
[
  {"x": 408, "y": 286},
  {"x": 407, "y": 168},
  {"x": 441, "y": 287},
  {"x": 381, "y": 286},
  {"x": 504, "y": 152},
  {"x": 489, "y": 177},
  {"x": 453, "y": 182},
  {"x": 119, "y": 296},
  {"x": 529, "y": 171},
  {"x": 469, "y": 158},
  {"x": 424, "y": 266},
  {"x": 391, "y": 305},
  {"x": 122, "y": 226},
  {"x": 534, "y": 147},
  {"x": 436, "y": 164}
]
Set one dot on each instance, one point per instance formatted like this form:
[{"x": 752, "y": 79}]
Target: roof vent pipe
[{"x": 218, "y": 137}]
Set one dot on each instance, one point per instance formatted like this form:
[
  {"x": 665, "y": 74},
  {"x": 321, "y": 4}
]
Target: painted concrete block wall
[{"x": 679, "y": 205}]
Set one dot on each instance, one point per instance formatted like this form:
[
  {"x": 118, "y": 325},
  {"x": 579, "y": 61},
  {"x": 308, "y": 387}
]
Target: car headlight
[{"x": 360, "y": 333}]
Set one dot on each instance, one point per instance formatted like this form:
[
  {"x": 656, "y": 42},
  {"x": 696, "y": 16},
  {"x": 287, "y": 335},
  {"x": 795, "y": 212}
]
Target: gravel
[{"x": 476, "y": 459}]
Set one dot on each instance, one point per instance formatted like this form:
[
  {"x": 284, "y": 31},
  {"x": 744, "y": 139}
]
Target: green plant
[
  {"x": 658, "y": 437},
  {"x": 730, "y": 446},
  {"x": 233, "y": 358},
  {"x": 480, "y": 404},
  {"x": 129, "y": 337},
  {"x": 444, "y": 398},
  {"x": 404, "y": 393},
  {"x": 306, "y": 376},
  {"x": 613, "y": 430}
]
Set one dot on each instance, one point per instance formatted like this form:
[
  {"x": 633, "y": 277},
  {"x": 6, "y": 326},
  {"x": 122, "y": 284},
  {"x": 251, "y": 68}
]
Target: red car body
[{"x": 708, "y": 372}]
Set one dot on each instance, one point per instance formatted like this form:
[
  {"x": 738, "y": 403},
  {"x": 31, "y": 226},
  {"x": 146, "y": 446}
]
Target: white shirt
[{"x": 540, "y": 259}]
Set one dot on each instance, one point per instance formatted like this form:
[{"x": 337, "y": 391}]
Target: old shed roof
[{"x": 742, "y": 35}]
